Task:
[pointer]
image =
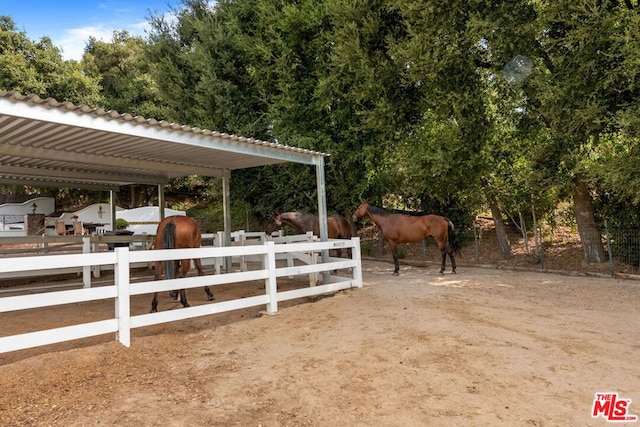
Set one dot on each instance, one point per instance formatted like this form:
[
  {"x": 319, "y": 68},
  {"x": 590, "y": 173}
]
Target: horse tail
[
  {"x": 169, "y": 242},
  {"x": 454, "y": 243}
]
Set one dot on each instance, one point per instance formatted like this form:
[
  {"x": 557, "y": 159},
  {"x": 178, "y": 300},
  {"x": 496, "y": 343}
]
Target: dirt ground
[{"x": 482, "y": 347}]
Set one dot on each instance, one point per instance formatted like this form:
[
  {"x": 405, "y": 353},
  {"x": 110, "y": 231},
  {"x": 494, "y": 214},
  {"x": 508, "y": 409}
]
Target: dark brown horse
[
  {"x": 397, "y": 228},
  {"x": 177, "y": 232},
  {"x": 338, "y": 227}
]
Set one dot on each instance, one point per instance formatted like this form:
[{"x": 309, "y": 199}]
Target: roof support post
[
  {"x": 226, "y": 209},
  {"x": 160, "y": 202},
  {"x": 322, "y": 198},
  {"x": 322, "y": 211},
  {"x": 112, "y": 206}
]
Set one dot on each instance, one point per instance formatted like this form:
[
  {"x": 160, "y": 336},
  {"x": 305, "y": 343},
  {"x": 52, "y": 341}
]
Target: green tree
[
  {"x": 38, "y": 68},
  {"x": 275, "y": 70},
  {"x": 586, "y": 87},
  {"x": 446, "y": 56},
  {"x": 125, "y": 75},
  {"x": 204, "y": 66},
  {"x": 414, "y": 101}
]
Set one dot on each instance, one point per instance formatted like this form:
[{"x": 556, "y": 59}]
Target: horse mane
[
  {"x": 291, "y": 215},
  {"x": 377, "y": 211}
]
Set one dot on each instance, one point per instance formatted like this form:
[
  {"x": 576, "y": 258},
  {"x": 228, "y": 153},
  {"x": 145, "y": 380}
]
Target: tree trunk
[
  {"x": 525, "y": 235},
  {"x": 501, "y": 231},
  {"x": 587, "y": 227}
]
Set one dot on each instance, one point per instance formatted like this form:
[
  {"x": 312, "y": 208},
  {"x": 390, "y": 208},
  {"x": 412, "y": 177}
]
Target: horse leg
[
  {"x": 453, "y": 261},
  {"x": 154, "y": 303},
  {"x": 174, "y": 294},
  {"x": 185, "y": 264},
  {"x": 444, "y": 262},
  {"x": 444, "y": 250},
  {"x": 198, "y": 264},
  {"x": 183, "y": 298},
  {"x": 157, "y": 275},
  {"x": 396, "y": 264}
]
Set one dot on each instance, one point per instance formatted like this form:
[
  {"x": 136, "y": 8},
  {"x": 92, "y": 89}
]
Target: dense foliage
[{"x": 453, "y": 107}]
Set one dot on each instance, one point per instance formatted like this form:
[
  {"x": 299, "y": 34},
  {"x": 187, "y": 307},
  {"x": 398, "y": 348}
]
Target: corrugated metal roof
[{"x": 44, "y": 142}]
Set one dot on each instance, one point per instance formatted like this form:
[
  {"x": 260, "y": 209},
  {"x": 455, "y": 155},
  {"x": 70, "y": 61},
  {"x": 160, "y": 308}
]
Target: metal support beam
[
  {"x": 161, "y": 202},
  {"x": 112, "y": 205},
  {"x": 322, "y": 199},
  {"x": 322, "y": 211},
  {"x": 226, "y": 209}
]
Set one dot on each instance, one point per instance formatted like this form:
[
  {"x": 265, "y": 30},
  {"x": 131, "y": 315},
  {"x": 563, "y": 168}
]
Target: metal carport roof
[{"x": 44, "y": 142}]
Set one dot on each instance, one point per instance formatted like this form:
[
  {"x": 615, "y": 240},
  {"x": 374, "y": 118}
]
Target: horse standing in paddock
[
  {"x": 397, "y": 228},
  {"x": 338, "y": 227},
  {"x": 177, "y": 232}
]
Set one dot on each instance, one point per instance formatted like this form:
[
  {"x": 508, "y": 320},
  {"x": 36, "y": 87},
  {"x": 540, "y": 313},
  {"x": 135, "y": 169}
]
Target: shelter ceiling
[{"x": 44, "y": 142}]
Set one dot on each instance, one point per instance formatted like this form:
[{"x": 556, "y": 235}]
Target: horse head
[
  {"x": 274, "y": 224},
  {"x": 361, "y": 211}
]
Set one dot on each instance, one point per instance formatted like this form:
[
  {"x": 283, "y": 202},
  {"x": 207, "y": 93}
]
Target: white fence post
[
  {"x": 357, "y": 257},
  {"x": 123, "y": 300},
  {"x": 86, "y": 270},
  {"x": 242, "y": 238},
  {"x": 218, "y": 241},
  {"x": 313, "y": 259},
  {"x": 95, "y": 247},
  {"x": 270, "y": 283},
  {"x": 263, "y": 238}
]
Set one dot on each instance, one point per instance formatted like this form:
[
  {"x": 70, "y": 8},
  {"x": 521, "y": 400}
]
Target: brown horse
[
  {"x": 398, "y": 229},
  {"x": 177, "y": 232},
  {"x": 338, "y": 227}
]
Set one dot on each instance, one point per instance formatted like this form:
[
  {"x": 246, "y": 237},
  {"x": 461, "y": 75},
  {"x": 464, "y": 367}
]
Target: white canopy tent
[{"x": 44, "y": 142}]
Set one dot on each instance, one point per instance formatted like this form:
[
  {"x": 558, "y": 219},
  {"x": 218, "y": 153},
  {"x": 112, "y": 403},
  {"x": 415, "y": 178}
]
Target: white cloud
[{"x": 73, "y": 41}]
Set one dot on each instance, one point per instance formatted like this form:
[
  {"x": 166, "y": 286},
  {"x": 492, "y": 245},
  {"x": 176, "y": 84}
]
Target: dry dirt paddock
[{"x": 481, "y": 348}]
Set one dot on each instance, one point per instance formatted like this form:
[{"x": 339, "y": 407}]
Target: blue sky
[{"x": 69, "y": 24}]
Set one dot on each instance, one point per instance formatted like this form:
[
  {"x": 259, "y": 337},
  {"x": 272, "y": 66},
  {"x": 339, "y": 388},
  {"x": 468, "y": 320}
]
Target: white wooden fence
[
  {"x": 121, "y": 291},
  {"x": 46, "y": 245}
]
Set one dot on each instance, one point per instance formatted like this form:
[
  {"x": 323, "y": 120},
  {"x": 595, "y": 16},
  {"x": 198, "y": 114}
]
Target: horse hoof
[
  {"x": 211, "y": 298},
  {"x": 154, "y": 310},
  {"x": 395, "y": 273},
  {"x": 442, "y": 272}
]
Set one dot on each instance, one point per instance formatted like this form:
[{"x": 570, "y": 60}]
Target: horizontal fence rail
[{"x": 121, "y": 291}]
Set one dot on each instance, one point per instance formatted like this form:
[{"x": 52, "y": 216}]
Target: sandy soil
[{"x": 483, "y": 347}]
